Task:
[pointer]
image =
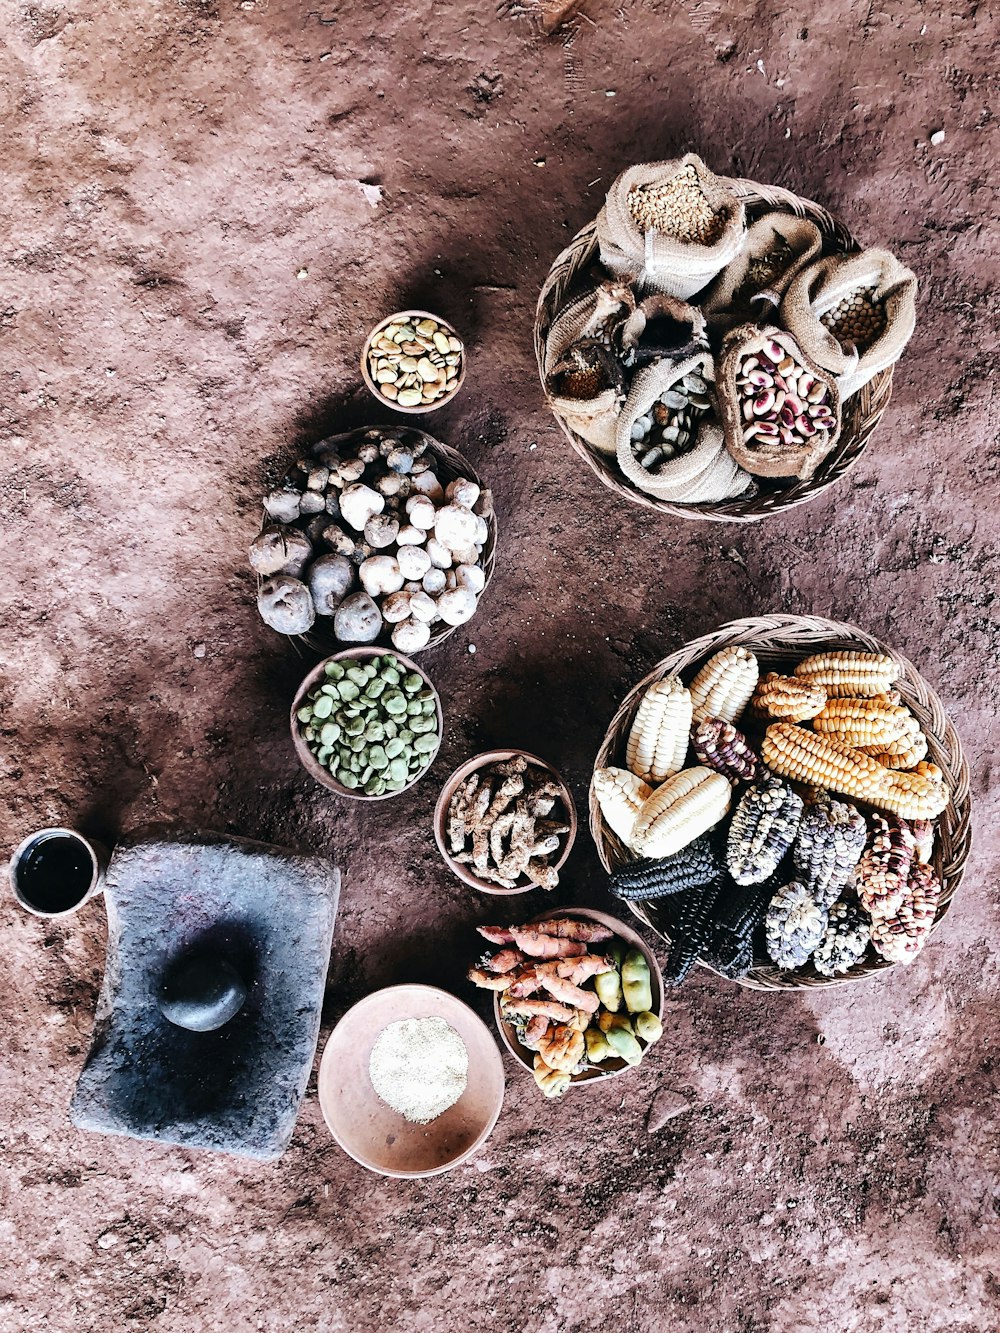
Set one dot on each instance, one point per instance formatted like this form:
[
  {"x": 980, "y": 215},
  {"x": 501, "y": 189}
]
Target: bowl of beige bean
[{"x": 414, "y": 360}]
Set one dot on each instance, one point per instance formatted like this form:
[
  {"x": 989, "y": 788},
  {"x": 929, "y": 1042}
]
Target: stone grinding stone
[{"x": 238, "y": 1089}]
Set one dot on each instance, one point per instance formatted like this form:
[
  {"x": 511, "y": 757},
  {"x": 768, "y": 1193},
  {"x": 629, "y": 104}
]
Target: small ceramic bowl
[
  {"x": 377, "y": 1136},
  {"x": 376, "y": 389},
  {"x": 568, "y": 814},
  {"x": 306, "y": 757},
  {"x": 610, "y": 1068}
]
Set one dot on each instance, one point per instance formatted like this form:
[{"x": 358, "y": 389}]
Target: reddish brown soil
[{"x": 189, "y": 265}]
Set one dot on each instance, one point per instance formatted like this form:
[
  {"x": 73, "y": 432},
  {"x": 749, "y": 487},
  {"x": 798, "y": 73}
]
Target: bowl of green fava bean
[{"x": 366, "y": 723}]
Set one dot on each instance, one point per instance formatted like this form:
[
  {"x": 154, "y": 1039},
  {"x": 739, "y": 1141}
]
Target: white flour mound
[{"x": 419, "y": 1067}]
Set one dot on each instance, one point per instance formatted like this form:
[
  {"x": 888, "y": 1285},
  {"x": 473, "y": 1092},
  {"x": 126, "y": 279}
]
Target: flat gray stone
[{"x": 238, "y": 1089}]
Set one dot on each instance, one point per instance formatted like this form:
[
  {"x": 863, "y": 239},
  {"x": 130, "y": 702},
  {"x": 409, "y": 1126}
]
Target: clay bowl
[
  {"x": 395, "y": 319},
  {"x": 306, "y": 757},
  {"x": 610, "y": 1068},
  {"x": 463, "y": 872},
  {"x": 371, "y": 1132}
]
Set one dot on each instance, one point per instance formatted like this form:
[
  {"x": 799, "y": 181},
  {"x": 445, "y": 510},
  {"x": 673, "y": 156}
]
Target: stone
[
  {"x": 330, "y": 579},
  {"x": 357, "y": 620},
  {"x": 270, "y": 913},
  {"x": 358, "y": 503},
  {"x": 666, "y": 1105},
  {"x": 284, "y": 603},
  {"x": 201, "y": 991}
]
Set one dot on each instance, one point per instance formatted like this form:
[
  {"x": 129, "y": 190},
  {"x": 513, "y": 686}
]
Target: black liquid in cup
[{"x": 55, "y": 873}]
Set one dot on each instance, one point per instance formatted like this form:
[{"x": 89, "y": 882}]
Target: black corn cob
[
  {"x": 729, "y": 958},
  {"x": 720, "y": 746},
  {"x": 692, "y": 867},
  {"x": 691, "y": 931}
]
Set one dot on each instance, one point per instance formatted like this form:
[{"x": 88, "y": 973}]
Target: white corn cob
[
  {"x": 621, "y": 796},
  {"x": 850, "y": 674},
  {"x": 722, "y": 688},
  {"x": 685, "y": 807},
  {"x": 657, "y": 744}
]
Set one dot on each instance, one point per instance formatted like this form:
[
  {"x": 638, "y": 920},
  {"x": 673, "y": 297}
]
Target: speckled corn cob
[
  {"x": 923, "y": 839},
  {"x": 848, "y": 934},
  {"x": 686, "y": 806},
  {"x": 871, "y": 725},
  {"x": 721, "y": 747},
  {"x": 787, "y": 699},
  {"x": 722, "y": 688},
  {"x": 620, "y": 795},
  {"x": 692, "y": 867},
  {"x": 657, "y": 743},
  {"x": 830, "y": 840},
  {"x": 763, "y": 828},
  {"x": 795, "y": 924},
  {"x": 885, "y": 865},
  {"x": 900, "y": 937},
  {"x": 802, "y": 755},
  {"x": 849, "y": 675}
]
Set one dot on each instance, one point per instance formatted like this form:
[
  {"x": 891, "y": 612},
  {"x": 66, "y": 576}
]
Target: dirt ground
[{"x": 189, "y": 264}]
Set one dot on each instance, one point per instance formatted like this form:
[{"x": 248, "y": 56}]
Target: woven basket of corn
[
  {"x": 780, "y": 643},
  {"x": 861, "y": 412}
]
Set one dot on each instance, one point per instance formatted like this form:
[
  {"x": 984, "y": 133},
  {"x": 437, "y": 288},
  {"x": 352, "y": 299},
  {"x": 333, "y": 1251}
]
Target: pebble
[{"x": 415, "y": 364}]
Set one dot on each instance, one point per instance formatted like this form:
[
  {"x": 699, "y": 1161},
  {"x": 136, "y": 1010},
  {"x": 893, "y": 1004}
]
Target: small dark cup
[{"x": 56, "y": 870}]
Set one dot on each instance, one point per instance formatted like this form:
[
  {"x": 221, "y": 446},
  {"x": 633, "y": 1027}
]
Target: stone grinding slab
[{"x": 236, "y": 1090}]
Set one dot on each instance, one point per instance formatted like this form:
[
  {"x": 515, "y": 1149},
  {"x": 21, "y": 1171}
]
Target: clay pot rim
[
  {"x": 420, "y": 408},
  {"x": 361, "y": 653},
  {"x": 441, "y": 818},
  {"x": 611, "y": 1069},
  {"x": 492, "y": 1062}
]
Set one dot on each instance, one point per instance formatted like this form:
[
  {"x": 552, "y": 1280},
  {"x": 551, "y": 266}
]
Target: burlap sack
[
  {"x": 584, "y": 381},
  {"x": 793, "y": 445},
  {"x": 662, "y": 328},
  {"x": 822, "y": 286},
  {"x": 704, "y": 473},
  {"x": 660, "y": 262},
  {"x": 776, "y": 248}
]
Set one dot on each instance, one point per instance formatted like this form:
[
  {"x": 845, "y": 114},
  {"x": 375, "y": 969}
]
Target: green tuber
[
  {"x": 623, "y": 1043},
  {"x": 609, "y": 989},
  {"x": 636, "y": 983},
  {"x": 648, "y": 1027},
  {"x": 598, "y": 1047}
]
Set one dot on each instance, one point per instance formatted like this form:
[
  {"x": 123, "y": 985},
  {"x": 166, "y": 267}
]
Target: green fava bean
[
  {"x": 406, "y": 736},
  {"x": 323, "y": 706},
  {"x": 375, "y": 731},
  {"x": 412, "y": 683},
  {"x": 334, "y": 670},
  {"x": 414, "y": 709},
  {"x": 372, "y": 786},
  {"x": 425, "y": 744},
  {"x": 346, "y": 778},
  {"x": 331, "y": 690},
  {"x": 377, "y": 757},
  {"x": 391, "y": 676},
  {"x": 397, "y": 769},
  {"x": 375, "y": 687},
  {"x": 357, "y": 744},
  {"x": 355, "y": 727},
  {"x": 394, "y": 747},
  {"x": 329, "y": 733},
  {"x": 348, "y": 690},
  {"x": 358, "y": 675},
  {"x": 305, "y": 713},
  {"x": 420, "y": 726},
  {"x": 393, "y": 702},
  {"x": 395, "y": 784}
]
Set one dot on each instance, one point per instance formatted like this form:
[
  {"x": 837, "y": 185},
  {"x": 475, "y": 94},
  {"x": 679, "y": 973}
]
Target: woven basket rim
[
  {"x": 861, "y": 412},
  {"x": 804, "y": 635},
  {"x": 456, "y": 464}
]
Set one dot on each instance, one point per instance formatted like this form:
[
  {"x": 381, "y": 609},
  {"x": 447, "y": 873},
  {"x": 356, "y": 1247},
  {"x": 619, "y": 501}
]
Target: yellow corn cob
[
  {"x": 620, "y": 795},
  {"x": 905, "y": 753},
  {"x": 793, "y": 752},
  {"x": 786, "y": 699},
  {"x": 851, "y": 675},
  {"x": 871, "y": 725},
  {"x": 685, "y": 807},
  {"x": 657, "y": 744},
  {"x": 722, "y": 688}
]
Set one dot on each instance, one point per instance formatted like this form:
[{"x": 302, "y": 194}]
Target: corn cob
[
  {"x": 687, "y": 805},
  {"x": 762, "y": 830},
  {"x": 795, "y": 924},
  {"x": 787, "y": 699},
  {"x": 722, "y": 688},
  {"x": 830, "y": 840},
  {"x": 821, "y": 762},
  {"x": 848, "y": 934},
  {"x": 657, "y": 743},
  {"x": 870, "y": 725},
  {"x": 728, "y": 957},
  {"x": 691, "y": 931},
  {"x": 900, "y": 937},
  {"x": 854, "y": 675},
  {"x": 692, "y": 867},
  {"x": 721, "y": 747},
  {"x": 740, "y": 910},
  {"x": 620, "y": 795},
  {"x": 907, "y": 752},
  {"x": 923, "y": 839},
  {"x": 885, "y": 865}
]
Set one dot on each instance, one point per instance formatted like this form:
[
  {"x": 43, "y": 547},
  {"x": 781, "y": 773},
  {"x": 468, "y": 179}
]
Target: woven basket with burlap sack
[
  {"x": 668, "y": 445},
  {"x": 670, "y": 226},
  {"x": 777, "y": 247},
  {"x": 780, "y": 411},
  {"x": 852, "y": 314},
  {"x": 584, "y": 380}
]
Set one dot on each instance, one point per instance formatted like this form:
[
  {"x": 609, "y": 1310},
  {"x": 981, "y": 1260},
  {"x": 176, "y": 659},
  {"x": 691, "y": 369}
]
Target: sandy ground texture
[{"x": 205, "y": 205}]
